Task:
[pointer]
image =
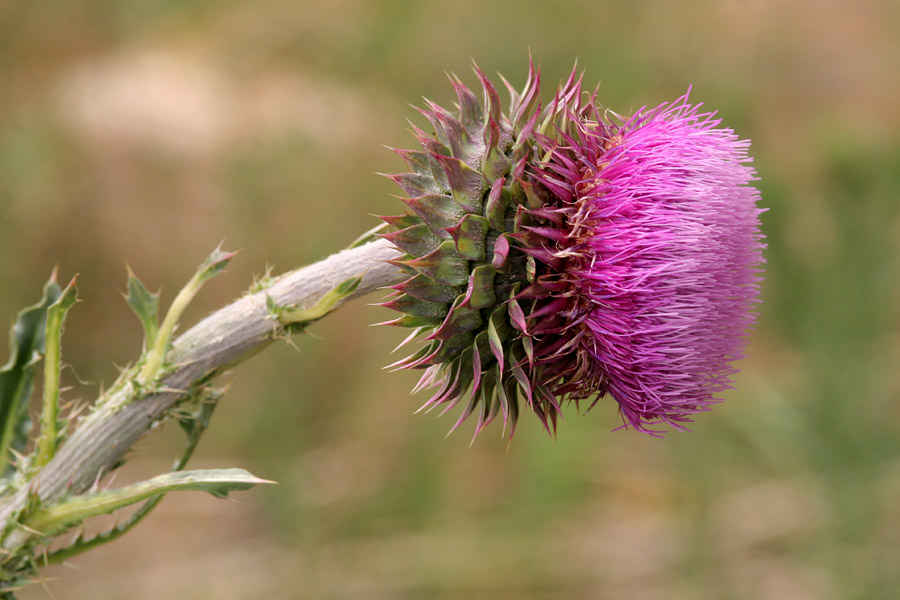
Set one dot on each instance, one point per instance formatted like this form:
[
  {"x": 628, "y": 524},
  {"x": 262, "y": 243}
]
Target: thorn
[
  {"x": 96, "y": 485},
  {"x": 408, "y": 339}
]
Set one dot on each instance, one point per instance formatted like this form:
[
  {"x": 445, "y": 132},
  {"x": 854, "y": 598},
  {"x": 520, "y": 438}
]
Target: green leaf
[
  {"x": 56, "y": 315},
  {"x": 54, "y": 519},
  {"x": 214, "y": 264},
  {"x": 194, "y": 423},
  {"x": 326, "y": 304},
  {"x": 26, "y": 344},
  {"x": 145, "y": 305},
  {"x": 154, "y": 359}
]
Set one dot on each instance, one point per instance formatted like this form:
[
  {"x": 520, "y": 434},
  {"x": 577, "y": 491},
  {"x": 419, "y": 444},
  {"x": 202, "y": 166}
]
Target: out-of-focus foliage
[{"x": 147, "y": 132}]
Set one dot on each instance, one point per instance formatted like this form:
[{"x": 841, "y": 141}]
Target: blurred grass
[{"x": 148, "y": 132}]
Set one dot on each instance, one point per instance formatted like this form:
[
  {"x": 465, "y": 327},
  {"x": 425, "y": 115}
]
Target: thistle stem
[{"x": 223, "y": 339}]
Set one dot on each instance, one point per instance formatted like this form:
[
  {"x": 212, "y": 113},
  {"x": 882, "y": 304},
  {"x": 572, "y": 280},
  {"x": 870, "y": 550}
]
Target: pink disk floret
[{"x": 663, "y": 248}]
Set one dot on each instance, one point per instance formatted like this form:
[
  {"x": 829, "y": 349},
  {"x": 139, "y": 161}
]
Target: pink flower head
[
  {"x": 651, "y": 252},
  {"x": 555, "y": 254}
]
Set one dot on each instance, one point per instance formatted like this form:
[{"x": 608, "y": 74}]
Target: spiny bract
[{"x": 566, "y": 253}]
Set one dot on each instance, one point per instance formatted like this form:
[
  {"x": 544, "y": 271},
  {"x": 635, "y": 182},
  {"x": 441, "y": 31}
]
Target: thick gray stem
[{"x": 221, "y": 340}]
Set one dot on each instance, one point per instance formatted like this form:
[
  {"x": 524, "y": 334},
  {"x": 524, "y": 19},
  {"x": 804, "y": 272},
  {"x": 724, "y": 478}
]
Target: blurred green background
[{"x": 147, "y": 132}]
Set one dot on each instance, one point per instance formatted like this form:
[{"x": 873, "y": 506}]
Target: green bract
[{"x": 469, "y": 197}]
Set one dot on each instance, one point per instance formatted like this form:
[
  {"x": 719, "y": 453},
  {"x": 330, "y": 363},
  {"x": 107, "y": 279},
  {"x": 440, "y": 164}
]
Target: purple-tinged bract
[{"x": 557, "y": 255}]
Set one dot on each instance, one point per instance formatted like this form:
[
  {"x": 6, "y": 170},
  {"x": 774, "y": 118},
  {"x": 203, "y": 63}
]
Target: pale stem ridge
[{"x": 221, "y": 340}]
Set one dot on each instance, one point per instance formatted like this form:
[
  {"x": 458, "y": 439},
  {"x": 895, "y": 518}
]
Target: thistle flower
[{"x": 567, "y": 254}]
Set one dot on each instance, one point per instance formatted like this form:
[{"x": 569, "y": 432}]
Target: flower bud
[{"x": 563, "y": 254}]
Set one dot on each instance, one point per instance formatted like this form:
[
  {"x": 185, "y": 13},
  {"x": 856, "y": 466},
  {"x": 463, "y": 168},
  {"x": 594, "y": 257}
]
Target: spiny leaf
[
  {"x": 326, "y": 304},
  {"x": 56, "y": 315},
  {"x": 145, "y": 305},
  {"x": 214, "y": 264},
  {"x": 154, "y": 359},
  {"x": 26, "y": 344},
  {"x": 194, "y": 423},
  {"x": 55, "y": 518}
]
